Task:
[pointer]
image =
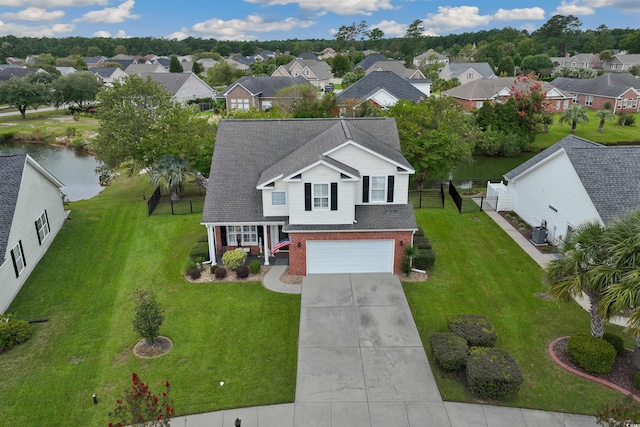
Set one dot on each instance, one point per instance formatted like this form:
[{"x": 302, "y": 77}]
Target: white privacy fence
[{"x": 498, "y": 196}]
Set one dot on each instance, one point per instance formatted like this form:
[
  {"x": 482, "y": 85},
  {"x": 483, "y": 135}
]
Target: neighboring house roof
[
  {"x": 387, "y": 80},
  {"x": 145, "y": 69},
  {"x": 266, "y": 86},
  {"x": 239, "y": 163},
  {"x": 628, "y": 58},
  {"x": 14, "y": 66},
  {"x": 93, "y": 59},
  {"x": 367, "y": 62},
  {"x": 165, "y": 62},
  {"x": 121, "y": 56},
  {"x": 429, "y": 55},
  {"x": 456, "y": 69},
  {"x": 11, "y": 170},
  {"x": 396, "y": 67},
  {"x": 609, "y": 85},
  {"x": 173, "y": 82},
  {"x": 64, "y": 71},
  {"x": 187, "y": 66},
  {"x": 307, "y": 55},
  {"x": 104, "y": 72},
  {"x": 7, "y": 73},
  {"x": 494, "y": 88},
  {"x": 238, "y": 65},
  {"x": 608, "y": 174},
  {"x": 124, "y": 63},
  {"x": 245, "y": 60}
]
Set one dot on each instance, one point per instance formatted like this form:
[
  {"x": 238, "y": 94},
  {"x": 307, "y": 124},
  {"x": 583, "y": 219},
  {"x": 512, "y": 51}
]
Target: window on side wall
[
  {"x": 17, "y": 257},
  {"x": 42, "y": 227},
  {"x": 278, "y": 198}
]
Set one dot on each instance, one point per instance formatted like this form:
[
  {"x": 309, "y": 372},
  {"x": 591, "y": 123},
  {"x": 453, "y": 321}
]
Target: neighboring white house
[
  {"x": 429, "y": 57},
  {"x": 109, "y": 75},
  {"x": 183, "y": 86},
  {"x": 31, "y": 214},
  {"x": 569, "y": 183}
]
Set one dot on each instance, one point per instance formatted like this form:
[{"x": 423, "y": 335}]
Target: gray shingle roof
[
  {"x": 11, "y": 168},
  {"x": 267, "y": 86},
  {"x": 393, "y": 66},
  {"x": 173, "y": 82},
  {"x": 608, "y": 85},
  {"x": 247, "y": 148},
  {"x": 610, "y": 175},
  {"x": 482, "y": 89},
  {"x": 144, "y": 69},
  {"x": 455, "y": 69},
  {"x": 104, "y": 72},
  {"x": 387, "y": 80},
  {"x": 7, "y": 73},
  {"x": 367, "y": 62},
  {"x": 321, "y": 69}
]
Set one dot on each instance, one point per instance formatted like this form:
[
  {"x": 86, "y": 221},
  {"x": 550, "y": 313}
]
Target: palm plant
[
  {"x": 574, "y": 115},
  {"x": 569, "y": 276},
  {"x": 604, "y": 115},
  {"x": 170, "y": 173}
]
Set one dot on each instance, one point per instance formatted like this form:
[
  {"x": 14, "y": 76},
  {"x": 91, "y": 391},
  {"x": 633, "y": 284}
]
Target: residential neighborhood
[{"x": 390, "y": 225}]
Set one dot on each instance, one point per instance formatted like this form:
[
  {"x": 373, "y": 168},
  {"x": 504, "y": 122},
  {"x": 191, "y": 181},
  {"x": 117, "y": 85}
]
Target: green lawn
[
  {"x": 237, "y": 333},
  {"x": 45, "y": 125},
  {"x": 613, "y": 133},
  {"x": 481, "y": 270}
]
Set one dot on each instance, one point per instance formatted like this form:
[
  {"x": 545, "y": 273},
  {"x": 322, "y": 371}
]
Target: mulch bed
[
  {"x": 526, "y": 231},
  {"x": 621, "y": 375},
  {"x": 161, "y": 345}
]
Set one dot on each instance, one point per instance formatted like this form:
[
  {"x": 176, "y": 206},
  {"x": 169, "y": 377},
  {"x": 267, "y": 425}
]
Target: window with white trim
[
  {"x": 278, "y": 198},
  {"x": 575, "y": 100},
  {"x": 635, "y": 103},
  {"x": 588, "y": 100},
  {"x": 625, "y": 103},
  {"x": 296, "y": 73},
  {"x": 565, "y": 105},
  {"x": 18, "y": 258},
  {"x": 42, "y": 227},
  {"x": 378, "y": 189},
  {"x": 248, "y": 235},
  {"x": 469, "y": 76},
  {"x": 239, "y": 104},
  {"x": 320, "y": 197}
]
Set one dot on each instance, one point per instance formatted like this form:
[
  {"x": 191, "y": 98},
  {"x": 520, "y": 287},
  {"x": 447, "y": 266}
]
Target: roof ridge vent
[{"x": 345, "y": 128}]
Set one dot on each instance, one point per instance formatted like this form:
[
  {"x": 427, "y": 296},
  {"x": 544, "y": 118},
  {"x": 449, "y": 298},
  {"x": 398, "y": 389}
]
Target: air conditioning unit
[{"x": 539, "y": 235}]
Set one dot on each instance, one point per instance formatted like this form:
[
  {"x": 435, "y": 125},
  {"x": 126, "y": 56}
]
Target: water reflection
[{"x": 75, "y": 169}]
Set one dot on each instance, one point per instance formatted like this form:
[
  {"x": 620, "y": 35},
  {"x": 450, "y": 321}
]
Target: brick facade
[
  {"x": 550, "y": 105},
  {"x": 632, "y": 104},
  {"x": 298, "y": 255}
]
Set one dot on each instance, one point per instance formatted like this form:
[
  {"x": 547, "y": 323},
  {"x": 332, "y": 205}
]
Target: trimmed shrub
[
  {"x": 636, "y": 381},
  {"x": 590, "y": 353},
  {"x": 421, "y": 242},
  {"x": 477, "y": 330},
  {"x": 220, "y": 273},
  {"x": 203, "y": 238},
  {"x": 200, "y": 251},
  {"x": 195, "y": 273},
  {"x": 615, "y": 340},
  {"x": 449, "y": 350},
  {"x": 492, "y": 373},
  {"x": 189, "y": 266},
  {"x": 254, "y": 267},
  {"x": 214, "y": 268},
  {"x": 234, "y": 259},
  {"x": 425, "y": 259},
  {"x": 242, "y": 272},
  {"x": 420, "y": 232},
  {"x": 13, "y": 332}
]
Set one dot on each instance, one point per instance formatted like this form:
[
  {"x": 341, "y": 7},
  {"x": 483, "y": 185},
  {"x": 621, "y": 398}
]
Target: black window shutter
[
  {"x": 307, "y": 196},
  {"x": 38, "y": 233},
  {"x": 24, "y": 260},
  {"x": 223, "y": 236},
  {"x": 365, "y": 189},
  {"x": 46, "y": 217},
  {"x": 15, "y": 266},
  {"x": 334, "y": 196},
  {"x": 390, "y": 182}
]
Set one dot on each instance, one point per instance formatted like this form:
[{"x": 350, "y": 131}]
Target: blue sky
[{"x": 285, "y": 19}]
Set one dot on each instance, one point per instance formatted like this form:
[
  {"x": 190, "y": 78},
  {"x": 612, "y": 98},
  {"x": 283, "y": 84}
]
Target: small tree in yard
[
  {"x": 149, "y": 315},
  {"x": 141, "y": 407}
]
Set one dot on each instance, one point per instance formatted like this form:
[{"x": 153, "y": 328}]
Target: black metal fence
[
  {"x": 464, "y": 204},
  {"x": 432, "y": 197},
  {"x": 154, "y": 200},
  {"x": 191, "y": 201}
]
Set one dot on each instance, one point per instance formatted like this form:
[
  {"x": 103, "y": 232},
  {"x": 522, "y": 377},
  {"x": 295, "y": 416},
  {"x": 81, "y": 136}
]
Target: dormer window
[
  {"x": 378, "y": 189},
  {"x": 320, "y": 197}
]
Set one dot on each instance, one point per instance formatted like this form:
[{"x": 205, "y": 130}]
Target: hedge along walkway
[{"x": 241, "y": 334}]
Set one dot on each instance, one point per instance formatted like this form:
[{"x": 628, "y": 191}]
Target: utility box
[{"x": 539, "y": 235}]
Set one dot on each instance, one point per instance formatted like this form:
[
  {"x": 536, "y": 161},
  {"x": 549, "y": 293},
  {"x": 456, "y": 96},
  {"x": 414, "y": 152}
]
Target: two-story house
[
  {"x": 318, "y": 73},
  {"x": 337, "y": 188}
]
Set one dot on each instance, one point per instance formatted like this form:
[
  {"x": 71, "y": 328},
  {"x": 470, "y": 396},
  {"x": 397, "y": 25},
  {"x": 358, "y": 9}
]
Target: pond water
[{"x": 75, "y": 169}]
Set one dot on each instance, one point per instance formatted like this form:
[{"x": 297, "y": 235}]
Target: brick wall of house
[
  {"x": 599, "y": 101},
  {"x": 298, "y": 255},
  {"x": 466, "y": 104},
  {"x": 239, "y": 92}
]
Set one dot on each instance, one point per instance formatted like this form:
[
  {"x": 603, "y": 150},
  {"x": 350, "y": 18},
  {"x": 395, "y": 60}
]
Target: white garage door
[{"x": 349, "y": 256}]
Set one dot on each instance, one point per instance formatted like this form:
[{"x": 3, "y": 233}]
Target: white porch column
[
  {"x": 266, "y": 245},
  {"x": 211, "y": 239},
  {"x": 274, "y": 235}
]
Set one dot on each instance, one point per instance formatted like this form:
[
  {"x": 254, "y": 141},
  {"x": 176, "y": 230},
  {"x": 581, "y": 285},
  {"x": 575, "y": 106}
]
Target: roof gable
[{"x": 395, "y": 85}]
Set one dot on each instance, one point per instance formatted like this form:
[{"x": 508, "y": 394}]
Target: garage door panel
[{"x": 350, "y": 256}]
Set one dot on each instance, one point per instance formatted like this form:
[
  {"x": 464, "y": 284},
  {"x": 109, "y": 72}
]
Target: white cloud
[
  {"x": 51, "y": 3},
  {"x": 573, "y": 8},
  {"x": 519, "y": 14},
  {"x": 38, "y": 31},
  {"x": 237, "y": 29},
  {"x": 121, "y": 34},
  {"x": 34, "y": 14},
  {"x": 451, "y": 18},
  {"x": 104, "y": 34},
  {"x": 626, "y": 5},
  {"x": 339, "y": 7},
  {"x": 391, "y": 28},
  {"x": 178, "y": 35},
  {"x": 110, "y": 15}
]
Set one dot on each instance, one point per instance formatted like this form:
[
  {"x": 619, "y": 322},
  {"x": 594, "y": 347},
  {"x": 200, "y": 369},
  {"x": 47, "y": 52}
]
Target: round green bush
[
  {"x": 220, "y": 273},
  {"x": 421, "y": 242},
  {"x": 13, "y": 332},
  {"x": 234, "y": 259},
  {"x": 420, "y": 232},
  {"x": 492, "y": 373},
  {"x": 254, "y": 267},
  {"x": 476, "y": 329},
  {"x": 590, "y": 353},
  {"x": 449, "y": 350},
  {"x": 242, "y": 272},
  {"x": 425, "y": 259},
  {"x": 615, "y": 340},
  {"x": 195, "y": 273}
]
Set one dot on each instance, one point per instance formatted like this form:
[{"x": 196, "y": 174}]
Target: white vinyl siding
[
  {"x": 369, "y": 164},
  {"x": 383, "y": 98},
  {"x": 350, "y": 256},
  {"x": 537, "y": 194},
  {"x": 268, "y": 208}
]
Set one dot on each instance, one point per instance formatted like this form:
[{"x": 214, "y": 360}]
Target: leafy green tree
[
  {"x": 170, "y": 174},
  {"x": 412, "y": 40},
  {"x": 606, "y": 55},
  {"x": 284, "y": 59},
  {"x": 574, "y": 115},
  {"x": 174, "y": 65},
  {"x": 23, "y": 94},
  {"x": 506, "y": 66},
  {"x": 111, "y": 64},
  {"x": 631, "y": 42},
  {"x": 197, "y": 68},
  {"x": 634, "y": 70},
  {"x": 540, "y": 65},
  {"x": 65, "y": 62},
  {"x": 94, "y": 51},
  {"x": 435, "y": 135},
  {"x": 352, "y": 76},
  {"x": 604, "y": 115},
  {"x": 346, "y": 36},
  {"x": 223, "y": 49},
  {"x": 571, "y": 275},
  {"x": 223, "y": 74},
  {"x": 80, "y": 87},
  {"x": 375, "y": 36},
  {"x": 39, "y": 77},
  {"x": 560, "y": 32},
  {"x": 340, "y": 65},
  {"x": 120, "y": 50},
  {"x": 298, "y": 101},
  {"x": 149, "y": 315}
]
